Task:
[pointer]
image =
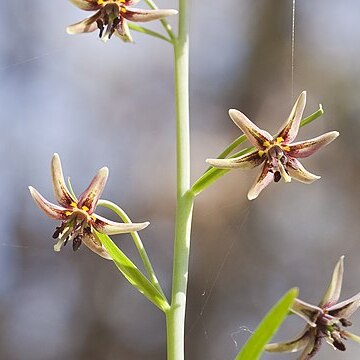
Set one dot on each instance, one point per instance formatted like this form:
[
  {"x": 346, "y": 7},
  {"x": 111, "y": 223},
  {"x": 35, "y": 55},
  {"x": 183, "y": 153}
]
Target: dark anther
[
  {"x": 345, "y": 322},
  {"x": 114, "y": 26},
  {"x": 106, "y": 19},
  {"x": 66, "y": 240},
  {"x": 57, "y": 232},
  {"x": 339, "y": 345},
  {"x": 277, "y": 176},
  {"x": 76, "y": 243},
  {"x": 100, "y": 26}
]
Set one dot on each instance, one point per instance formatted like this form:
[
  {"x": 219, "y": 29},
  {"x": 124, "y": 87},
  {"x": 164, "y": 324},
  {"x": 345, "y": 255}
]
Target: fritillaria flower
[
  {"x": 278, "y": 155},
  {"x": 111, "y": 17},
  {"x": 328, "y": 321},
  {"x": 77, "y": 217}
]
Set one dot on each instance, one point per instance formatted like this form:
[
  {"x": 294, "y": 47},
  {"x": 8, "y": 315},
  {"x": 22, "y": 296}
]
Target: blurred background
[{"x": 113, "y": 105}]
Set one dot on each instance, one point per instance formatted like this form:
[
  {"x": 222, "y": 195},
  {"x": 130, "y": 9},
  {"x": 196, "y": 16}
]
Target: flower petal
[
  {"x": 255, "y": 135},
  {"x": 109, "y": 227},
  {"x": 346, "y": 308},
  {"x": 86, "y": 4},
  {"x": 62, "y": 194},
  {"x": 306, "y": 311},
  {"x": 291, "y": 346},
  {"x": 306, "y": 148},
  {"x": 90, "y": 196},
  {"x": 123, "y": 31},
  {"x": 84, "y": 26},
  {"x": 291, "y": 126},
  {"x": 94, "y": 244},
  {"x": 261, "y": 183},
  {"x": 141, "y": 15},
  {"x": 247, "y": 161},
  {"x": 311, "y": 348},
  {"x": 333, "y": 292},
  {"x": 53, "y": 211},
  {"x": 299, "y": 173}
]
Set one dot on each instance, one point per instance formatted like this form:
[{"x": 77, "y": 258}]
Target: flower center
[
  {"x": 110, "y": 17},
  {"x": 104, "y": 2},
  {"x": 275, "y": 151},
  {"x": 74, "y": 228},
  {"x": 82, "y": 212}
]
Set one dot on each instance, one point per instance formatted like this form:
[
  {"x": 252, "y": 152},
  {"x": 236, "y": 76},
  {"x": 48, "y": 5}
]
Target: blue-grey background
[{"x": 113, "y": 105}]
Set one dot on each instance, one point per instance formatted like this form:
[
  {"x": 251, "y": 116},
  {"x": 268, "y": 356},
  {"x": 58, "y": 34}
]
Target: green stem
[
  {"x": 212, "y": 173},
  {"x": 164, "y": 23},
  {"x": 175, "y": 316},
  {"x": 138, "y": 243},
  {"x": 144, "y": 30}
]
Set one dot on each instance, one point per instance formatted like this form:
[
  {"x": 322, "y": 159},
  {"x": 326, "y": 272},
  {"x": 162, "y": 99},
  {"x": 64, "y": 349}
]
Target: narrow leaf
[
  {"x": 133, "y": 274},
  {"x": 255, "y": 346}
]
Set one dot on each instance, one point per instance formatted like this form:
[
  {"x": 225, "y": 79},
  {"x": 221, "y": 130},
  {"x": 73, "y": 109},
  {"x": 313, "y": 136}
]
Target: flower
[
  {"x": 111, "y": 17},
  {"x": 278, "y": 154},
  {"x": 77, "y": 217},
  {"x": 325, "y": 321}
]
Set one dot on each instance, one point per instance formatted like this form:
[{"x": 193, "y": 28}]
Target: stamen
[
  {"x": 115, "y": 24},
  {"x": 100, "y": 26},
  {"x": 345, "y": 322},
  {"x": 277, "y": 176},
  {"x": 58, "y": 230},
  {"x": 77, "y": 243}
]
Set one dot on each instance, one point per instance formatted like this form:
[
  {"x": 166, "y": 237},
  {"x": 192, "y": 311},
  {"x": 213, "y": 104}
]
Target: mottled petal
[
  {"x": 295, "y": 345},
  {"x": 346, "y": 308},
  {"x": 283, "y": 172},
  {"x": 84, "y": 26},
  {"x": 53, "y": 211},
  {"x": 62, "y": 194},
  {"x": 123, "y": 31},
  {"x": 261, "y": 183},
  {"x": 311, "y": 348},
  {"x": 247, "y": 161},
  {"x": 291, "y": 126},
  {"x": 132, "y": 2},
  {"x": 306, "y": 311},
  {"x": 86, "y": 4},
  {"x": 94, "y": 244},
  {"x": 255, "y": 135},
  {"x": 141, "y": 15},
  {"x": 90, "y": 196},
  {"x": 299, "y": 173},
  {"x": 332, "y": 294},
  {"x": 109, "y": 227},
  {"x": 303, "y": 149}
]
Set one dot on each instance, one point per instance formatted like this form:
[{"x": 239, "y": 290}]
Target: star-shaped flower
[
  {"x": 77, "y": 217},
  {"x": 325, "y": 321},
  {"x": 278, "y": 154},
  {"x": 111, "y": 17}
]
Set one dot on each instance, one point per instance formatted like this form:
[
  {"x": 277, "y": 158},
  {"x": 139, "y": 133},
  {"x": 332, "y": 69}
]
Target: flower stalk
[{"x": 175, "y": 316}]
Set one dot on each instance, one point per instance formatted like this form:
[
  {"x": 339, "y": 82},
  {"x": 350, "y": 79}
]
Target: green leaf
[
  {"x": 133, "y": 274},
  {"x": 255, "y": 346}
]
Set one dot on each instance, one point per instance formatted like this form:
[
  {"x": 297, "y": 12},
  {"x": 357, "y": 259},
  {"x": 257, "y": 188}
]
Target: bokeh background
[{"x": 113, "y": 105}]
